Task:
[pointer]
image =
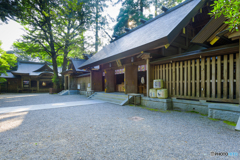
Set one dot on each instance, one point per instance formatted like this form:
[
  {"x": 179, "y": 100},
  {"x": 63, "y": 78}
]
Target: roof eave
[{"x": 129, "y": 53}]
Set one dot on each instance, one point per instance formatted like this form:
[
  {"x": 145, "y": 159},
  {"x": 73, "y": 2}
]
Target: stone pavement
[
  {"x": 108, "y": 131},
  {"x": 48, "y": 106}
]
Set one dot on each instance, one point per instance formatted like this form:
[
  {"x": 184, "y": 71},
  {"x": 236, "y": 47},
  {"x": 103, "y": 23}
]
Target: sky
[{"x": 13, "y": 31}]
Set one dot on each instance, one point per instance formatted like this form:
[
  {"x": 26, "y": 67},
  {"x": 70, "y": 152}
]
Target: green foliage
[
  {"x": 55, "y": 79},
  {"x": 167, "y": 3},
  {"x": 230, "y": 123},
  {"x": 6, "y": 61},
  {"x": 230, "y": 9},
  {"x": 193, "y": 112},
  {"x": 132, "y": 11},
  {"x": 54, "y": 28},
  {"x": 213, "y": 119},
  {"x": 129, "y": 15},
  {"x": 9, "y": 9}
]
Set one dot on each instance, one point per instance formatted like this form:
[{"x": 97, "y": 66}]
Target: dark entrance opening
[
  {"x": 142, "y": 86},
  {"x": 66, "y": 83},
  {"x": 103, "y": 82},
  {"x": 119, "y": 82}
]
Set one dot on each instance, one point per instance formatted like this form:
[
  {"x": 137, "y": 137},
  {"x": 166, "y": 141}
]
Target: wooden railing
[{"x": 208, "y": 78}]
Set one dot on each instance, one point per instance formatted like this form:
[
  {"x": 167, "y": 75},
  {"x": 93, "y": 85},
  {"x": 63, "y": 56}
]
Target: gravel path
[
  {"x": 108, "y": 131},
  {"x": 22, "y": 99}
]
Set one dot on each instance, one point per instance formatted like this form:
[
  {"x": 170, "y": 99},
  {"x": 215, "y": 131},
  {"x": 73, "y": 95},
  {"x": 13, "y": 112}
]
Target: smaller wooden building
[
  {"x": 29, "y": 77},
  {"x": 74, "y": 78}
]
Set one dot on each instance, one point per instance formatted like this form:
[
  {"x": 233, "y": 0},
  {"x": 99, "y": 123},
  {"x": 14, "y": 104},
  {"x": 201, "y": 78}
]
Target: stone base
[
  {"x": 222, "y": 111},
  {"x": 189, "y": 105},
  {"x": 163, "y": 104},
  {"x": 229, "y": 112}
]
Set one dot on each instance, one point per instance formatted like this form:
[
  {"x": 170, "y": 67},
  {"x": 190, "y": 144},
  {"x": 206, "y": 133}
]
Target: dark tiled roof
[
  {"x": 31, "y": 68},
  {"x": 84, "y": 75},
  {"x": 154, "y": 33},
  {"x": 9, "y": 75},
  {"x": 77, "y": 63}
]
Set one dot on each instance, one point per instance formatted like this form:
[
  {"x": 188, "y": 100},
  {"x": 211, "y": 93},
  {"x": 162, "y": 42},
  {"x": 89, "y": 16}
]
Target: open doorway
[
  {"x": 66, "y": 83},
  {"x": 142, "y": 79},
  {"x": 103, "y": 81},
  {"x": 119, "y": 80}
]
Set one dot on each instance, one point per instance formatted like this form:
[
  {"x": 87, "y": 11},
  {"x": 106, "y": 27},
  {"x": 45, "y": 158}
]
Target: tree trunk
[
  {"x": 141, "y": 7},
  {"x": 156, "y": 8},
  {"x": 64, "y": 65},
  {"x": 96, "y": 34},
  {"x": 56, "y": 84}
]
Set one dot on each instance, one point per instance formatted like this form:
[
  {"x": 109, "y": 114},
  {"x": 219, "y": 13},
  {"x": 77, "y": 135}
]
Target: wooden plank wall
[{"x": 207, "y": 78}]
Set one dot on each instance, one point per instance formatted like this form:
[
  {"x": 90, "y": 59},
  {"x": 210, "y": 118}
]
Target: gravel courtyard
[{"x": 109, "y": 131}]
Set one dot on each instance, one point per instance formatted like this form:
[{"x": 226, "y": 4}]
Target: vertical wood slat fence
[{"x": 208, "y": 78}]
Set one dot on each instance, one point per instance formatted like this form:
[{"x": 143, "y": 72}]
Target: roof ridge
[{"x": 34, "y": 62}]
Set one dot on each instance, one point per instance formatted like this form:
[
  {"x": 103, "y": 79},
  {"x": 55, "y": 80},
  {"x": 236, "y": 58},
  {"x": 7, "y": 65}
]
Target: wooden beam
[
  {"x": 231, "y": 63},
  {"x": 179, "y": 45},
  {"x": 208, "y": 77},
  {"x": 216, "y": 51},
  {"x": 239, "y": 72},
  {"x": 198, "y": 78},
  {"x": 234, "y": 34},
  {"x": 213, "y": 77},
  {"x": 203, "y": 77},
  {"x": 219, "y": 78},
  {"x": 225, "y": 76},
  {"x": 181, "y": 78},
  {"x": 37, "y": 86},
  {"x": 148, "y": 76}
]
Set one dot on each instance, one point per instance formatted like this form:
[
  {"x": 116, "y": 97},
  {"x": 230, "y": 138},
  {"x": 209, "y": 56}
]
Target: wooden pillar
[
  {"x": 30, "y": 85},
  {"x": 148, "y": 76},
  {"x": 91, "y": 76},
  {"x": 238, "y": 74},
  {"x": 38, "y": 86},
  {"x": 21, "y": 82},
  {"x": 69, "y": 82}
]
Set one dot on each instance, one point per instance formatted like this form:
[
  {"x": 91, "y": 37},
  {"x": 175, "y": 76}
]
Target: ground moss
[
  {"x": 213, "y": 119},
  {"x": 150, "y": 109},
  {"x": 193, "y": 112},
  {"x": 204, "y": 115},
  {"x": 230, "y": 123},
  {"x": 177, "y": 110}
]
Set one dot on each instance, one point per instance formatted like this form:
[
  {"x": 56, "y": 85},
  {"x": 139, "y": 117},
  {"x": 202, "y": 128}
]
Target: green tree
[
  {"x": 63, "y": 34},
  {"x": 38, "y": 17},
  {"x": 230, "y": 9},
  {"x": 167, "y": 3},
  {"x": 99, "y": 19},
  {"x": 9, "y": 9},
  {"x": 130, "y": 14},
  {"x": 6, "y": 62}
]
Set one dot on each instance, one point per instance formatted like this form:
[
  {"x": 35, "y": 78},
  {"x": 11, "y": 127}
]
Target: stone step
[
  {"x": 111, "y": 97},
  {"x": 115, "y": 101},
  {"x": 65, "y": 92}
]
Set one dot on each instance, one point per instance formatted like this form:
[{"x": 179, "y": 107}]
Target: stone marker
[{"x": 237, "y": 128}]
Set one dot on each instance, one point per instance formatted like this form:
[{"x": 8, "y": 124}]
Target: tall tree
[
  {"x": 39, "y": 16},
  {"x": 55, "y": 27},
  {"x": 6, "y": 62},
  {"x": 130, "y": 14},
  {"x": 74, "y": 18},
  {"x": 100, "y": 19}
]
